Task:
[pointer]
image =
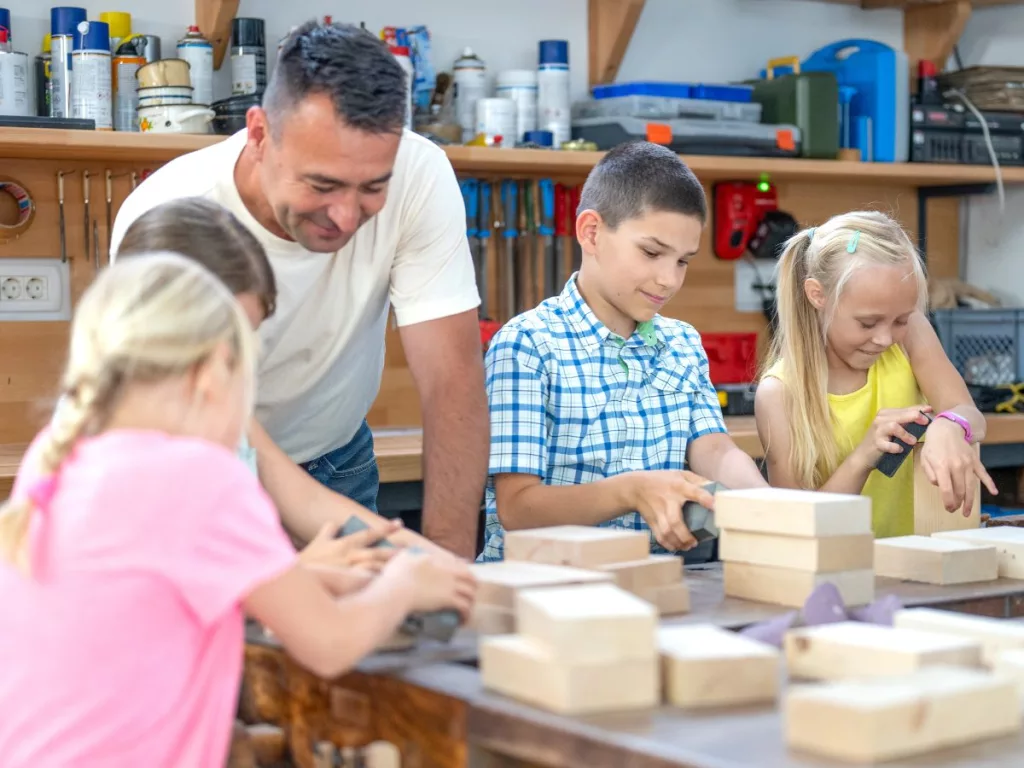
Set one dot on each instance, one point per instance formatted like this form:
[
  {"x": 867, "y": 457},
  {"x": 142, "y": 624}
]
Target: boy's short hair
[{"x": 640, "y": 177}]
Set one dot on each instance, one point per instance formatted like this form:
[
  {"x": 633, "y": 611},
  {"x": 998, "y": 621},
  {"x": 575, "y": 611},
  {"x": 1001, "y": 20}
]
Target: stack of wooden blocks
[
  {"x": 624, "y": 555},
  {"x": 579, "y": 650},
  {"x": 777, "y": 545}
]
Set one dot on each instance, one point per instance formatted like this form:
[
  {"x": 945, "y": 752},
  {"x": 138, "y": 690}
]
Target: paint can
[
  {"x": 64, "y": 21},
  {"x": 401, "y": 54},
  {"x": 520, "y": 85},
  {"x": 127, "y": 60},
  {"x": 44, "y": 85},
  {"x": 470, "y": 78},
  {"x": 248, "y": 57},
  {"x": 151, "y": 48},
  {"x": 91, "y": 97},
  {"x": 120, "y": 24},
  {"x": 14, "y": 99},
  {"x": 197, "y": 51},
  {"x": 553, "y": 92},
  {"x": 496, "y": 118}
]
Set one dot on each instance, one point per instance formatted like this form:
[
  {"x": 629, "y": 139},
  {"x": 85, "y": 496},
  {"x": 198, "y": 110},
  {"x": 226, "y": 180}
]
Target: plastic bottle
[
  {"x": 197, "y": 51},
  {"x": 520, "y": 85},
  {"x": 401, "y": 54},
  {"x": 470, "y": 78},
  {"x": 553, "y": 91}
]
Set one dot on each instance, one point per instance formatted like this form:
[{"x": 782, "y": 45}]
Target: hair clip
[
  {"x": 852, "y": 247},
  {"x": 810, "y": 233}
]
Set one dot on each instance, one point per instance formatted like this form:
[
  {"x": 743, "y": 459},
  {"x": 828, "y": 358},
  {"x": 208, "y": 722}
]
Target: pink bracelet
[{"x": 956, "y": 418}]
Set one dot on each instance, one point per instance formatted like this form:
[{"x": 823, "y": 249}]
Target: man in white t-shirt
[{"x": 356, "y": 216}]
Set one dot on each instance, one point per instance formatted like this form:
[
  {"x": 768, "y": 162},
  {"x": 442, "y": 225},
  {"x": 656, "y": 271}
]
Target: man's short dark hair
[
  {"x": 348, "y": 64},
  {"x": 638, "y": 178}
]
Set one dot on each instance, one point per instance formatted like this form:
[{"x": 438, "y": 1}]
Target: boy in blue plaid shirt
[{"x": 597, "y": 402}]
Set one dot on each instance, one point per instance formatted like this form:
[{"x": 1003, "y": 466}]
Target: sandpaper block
[
  {"x": 439, "y": 625},
  {"x": 701, "y": 520},
  {"x": 890, "y": 462}
]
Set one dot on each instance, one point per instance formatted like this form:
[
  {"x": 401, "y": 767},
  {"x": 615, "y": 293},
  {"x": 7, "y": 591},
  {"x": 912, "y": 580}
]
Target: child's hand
[
  {"x": 888, "y": 424},
  {"x": 952, "y": 464},
  {"x": 659, "y": 495},
  {"x": 341, "y": 581},
  {"x": 352, "y": 551},
  {"x": 436, "y": 582}
]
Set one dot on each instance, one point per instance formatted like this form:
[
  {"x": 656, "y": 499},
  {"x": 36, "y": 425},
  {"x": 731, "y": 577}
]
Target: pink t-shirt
[{"x": 128, "y": 649}]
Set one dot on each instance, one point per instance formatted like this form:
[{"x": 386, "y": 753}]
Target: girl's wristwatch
[{"x": 956, "y": 418}]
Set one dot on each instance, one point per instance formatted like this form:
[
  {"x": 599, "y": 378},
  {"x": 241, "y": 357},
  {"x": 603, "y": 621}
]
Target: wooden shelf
[{"x": 54, "y": 144}]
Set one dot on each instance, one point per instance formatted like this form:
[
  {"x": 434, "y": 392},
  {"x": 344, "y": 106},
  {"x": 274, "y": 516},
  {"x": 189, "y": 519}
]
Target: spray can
[
  {"x": 401, "y": 54},
  {"x": 120, "y": 25},
  {"x": 553, "y": 91},
  {"x": 151, "y": 48},
  {"x": 5, "y": 26},
  {"x": 44, "y": 86},
  {"x": 520, "y": 85},
  {"x": 64, "y": 21},
  {"x": 470, "y": 86},
  {"x": 127, "y": 60},
  {"x": 248, "y": 57},
  {"x": 13, "y": 80},
  {"x": 91, "y": 97},
  {"x": 197, "y": 51}
]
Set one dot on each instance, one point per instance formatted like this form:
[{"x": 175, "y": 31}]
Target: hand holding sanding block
[
  {"x": 701, "y": 520},
  {"x": 439, "y": 625},
  {"x": 890, "y": 462}
]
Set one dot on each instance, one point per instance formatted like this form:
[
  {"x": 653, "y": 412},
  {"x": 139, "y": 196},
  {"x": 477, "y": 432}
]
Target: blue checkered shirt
[{"x": 572, "y": 402}]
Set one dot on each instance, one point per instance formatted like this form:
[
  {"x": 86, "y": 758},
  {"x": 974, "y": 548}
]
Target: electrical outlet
[
  {"x": 34, "y": 290},
  {"x": 755, "y": 282}
]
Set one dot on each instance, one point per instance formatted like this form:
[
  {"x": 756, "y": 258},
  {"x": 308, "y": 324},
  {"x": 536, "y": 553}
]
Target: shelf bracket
[
  {"x": 931, "y": 31},
  {"x": 213, "y": 17},
  {"x": 610, "y": 24},
  {"x": 924, "y": 194}
]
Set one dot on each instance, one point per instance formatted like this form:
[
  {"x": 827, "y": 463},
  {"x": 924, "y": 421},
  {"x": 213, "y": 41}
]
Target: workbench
[{"x": 429, "y": 701}]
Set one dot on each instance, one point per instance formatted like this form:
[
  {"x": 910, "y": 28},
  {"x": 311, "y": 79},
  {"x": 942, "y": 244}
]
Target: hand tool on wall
[
  {"x": 574, "y": 209},
  {"x": 562, "y": 196},
  {"x": 527, "y": 255},
  {"x": 60, "y": 208},
  {"x": 471, "y": 198},
  {"x": 546, "y": 229},
  {"x": 96, "y": 244},
  {"x": 110, "y": 198},
  {"x": 85, "y": 203},
  {"x": 438, "y": 625},
  {"x": 483, "y": 232},
  {"x": 509, "y": 200},
  {"x": 135, "y": 180}
]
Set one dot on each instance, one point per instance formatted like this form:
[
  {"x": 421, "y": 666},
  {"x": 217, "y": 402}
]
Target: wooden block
[
  {"x": 790, "y": 512},
  {"x": 827, "y": 555},
  {"x": 930, "y": 516},
  {"x": 588, "y": 624},
  {"x": 850, "y": 649},
  {"x": 1010, "y": 665},
  {"x": 1009, "y": 543},
  {"x": 865, "y": 721},
  {"x": 995, "y": 635},
  {"x": 786, "y": 586},
  {"x": 668, "y": 600},
  {"x": 705, "y": 666},
  {"x": 637, "y": 576},
  {"x": 583, "y": 546},
  {"x": 523, "y": 669},
  {"x": 935, "y": 560},
  {"x": 497, "y": 583},
  {"x": 491, "y": 620}
]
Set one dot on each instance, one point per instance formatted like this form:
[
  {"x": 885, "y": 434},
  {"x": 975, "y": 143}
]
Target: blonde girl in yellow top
[{"x": 853, "y": 359}]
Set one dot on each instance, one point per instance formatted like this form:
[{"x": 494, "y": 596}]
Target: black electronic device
[{"x": 953, "y": 134}]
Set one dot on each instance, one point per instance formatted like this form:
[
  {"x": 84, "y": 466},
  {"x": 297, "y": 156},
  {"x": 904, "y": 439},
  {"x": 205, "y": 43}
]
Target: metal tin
[
  {"x": 197, "y": 51},
  {"x": 14, "y": 84},
  {"x": 91, "y": 87}
]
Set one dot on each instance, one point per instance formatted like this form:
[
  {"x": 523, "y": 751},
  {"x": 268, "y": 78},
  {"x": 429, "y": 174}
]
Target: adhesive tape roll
[{"x": 26, "y": 210}]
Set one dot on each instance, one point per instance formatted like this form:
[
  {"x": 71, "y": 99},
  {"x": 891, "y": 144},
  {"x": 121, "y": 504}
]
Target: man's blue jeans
[{"x": 350, "y": 470}]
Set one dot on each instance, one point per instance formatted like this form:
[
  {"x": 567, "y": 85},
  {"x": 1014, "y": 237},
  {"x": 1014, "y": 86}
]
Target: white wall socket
[{"x": 34, "y": 290}]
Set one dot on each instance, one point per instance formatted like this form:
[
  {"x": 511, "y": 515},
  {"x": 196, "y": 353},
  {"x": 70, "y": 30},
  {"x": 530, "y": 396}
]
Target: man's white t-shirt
[{"x": 323, "y": 349}]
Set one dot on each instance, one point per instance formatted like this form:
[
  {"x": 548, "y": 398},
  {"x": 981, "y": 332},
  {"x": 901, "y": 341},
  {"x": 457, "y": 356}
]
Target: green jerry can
[{"x": 808, "y": 100}]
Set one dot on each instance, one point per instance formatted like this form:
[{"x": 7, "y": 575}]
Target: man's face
[{"x": 322, "y": 178}]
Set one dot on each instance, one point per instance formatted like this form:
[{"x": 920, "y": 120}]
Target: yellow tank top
[{"x": 890, "y": 384}]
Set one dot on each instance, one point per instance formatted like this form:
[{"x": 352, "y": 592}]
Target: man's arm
[
  {"x": 305, "y": 505},
  {"x": 716, "y": 457},
  {"x": 446, "y": 363}
]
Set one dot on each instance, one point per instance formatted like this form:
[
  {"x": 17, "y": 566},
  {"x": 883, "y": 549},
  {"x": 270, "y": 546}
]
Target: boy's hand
[
  {"x": 659, "y": 495},
  {"x": 952, "y": 464},
  {"x": 353, "y": 551}
]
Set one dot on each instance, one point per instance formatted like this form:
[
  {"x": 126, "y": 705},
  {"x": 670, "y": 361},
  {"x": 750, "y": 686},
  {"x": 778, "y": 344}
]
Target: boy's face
[{"x": 642, "y": 264}]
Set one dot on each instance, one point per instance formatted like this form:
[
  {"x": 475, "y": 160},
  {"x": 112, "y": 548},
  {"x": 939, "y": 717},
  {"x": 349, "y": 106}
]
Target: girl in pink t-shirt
[{"x": 135, "y": 538}]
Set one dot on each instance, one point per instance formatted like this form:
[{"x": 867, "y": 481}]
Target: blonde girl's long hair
[
  {"x": 141, "y": 321},
  {"x": 829, "y": 254}
]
